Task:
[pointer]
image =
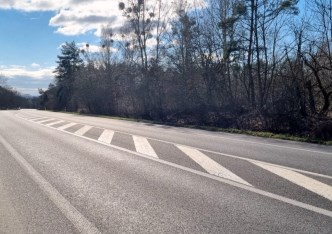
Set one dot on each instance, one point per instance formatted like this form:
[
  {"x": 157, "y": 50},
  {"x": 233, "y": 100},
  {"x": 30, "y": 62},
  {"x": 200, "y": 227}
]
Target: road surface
[{"x": 64, "y": 173}]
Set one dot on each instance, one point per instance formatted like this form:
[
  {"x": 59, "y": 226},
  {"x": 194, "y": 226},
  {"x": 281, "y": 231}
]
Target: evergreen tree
[{"x": 69, "y": 62}]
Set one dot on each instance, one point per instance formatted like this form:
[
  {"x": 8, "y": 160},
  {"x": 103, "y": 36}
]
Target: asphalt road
[{"x": 63, "y": 173}]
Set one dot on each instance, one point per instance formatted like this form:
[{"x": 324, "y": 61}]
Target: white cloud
[
  {"x": 32, "y": 5},
  {"x": 29, "y": 91},
  {"x": 15, "y": 71},
  {"x": 35, "y": 65},
  {"x": 91, "y": 48},
  {"x": 78, "y": 21},
  {"x": 14, "y": 67},
  {"x": 28, "y": 79},
  {"x": 74, "y": 17}
]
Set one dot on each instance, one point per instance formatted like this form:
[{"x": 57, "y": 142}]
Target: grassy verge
[
  {"x": 216, "y": 129},
  {"x": 280, "y": 136}
]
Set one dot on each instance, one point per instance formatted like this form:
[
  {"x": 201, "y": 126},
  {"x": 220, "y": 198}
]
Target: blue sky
[{"x": 32, "y": 31}]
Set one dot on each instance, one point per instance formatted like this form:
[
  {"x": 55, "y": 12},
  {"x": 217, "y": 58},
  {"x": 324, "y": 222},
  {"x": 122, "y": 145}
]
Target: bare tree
[
  {"x": 317, "y": 56},
  {"x": 140, "y": 17}
]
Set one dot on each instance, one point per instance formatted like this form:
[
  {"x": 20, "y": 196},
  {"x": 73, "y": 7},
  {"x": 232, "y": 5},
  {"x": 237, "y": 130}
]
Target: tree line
[
  {"x": 12, "y": 99},
  {"x": 248, "y": 64}
]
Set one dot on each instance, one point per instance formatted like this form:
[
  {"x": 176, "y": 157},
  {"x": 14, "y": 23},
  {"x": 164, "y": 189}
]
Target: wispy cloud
[
  {"x": 37, "y": 73},
  {"x": 91, "y": 48},
  {"x": 28, "y": 79},
  {"x": 35, "y": 65},
  {"x": 74, "y": 17},
  {"x": 75, "y": 21}
]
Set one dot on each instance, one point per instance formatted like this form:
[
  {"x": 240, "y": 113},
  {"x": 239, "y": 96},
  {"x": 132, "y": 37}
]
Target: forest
[
  {"x": 12, "y": 99},
  {"x": 263, "y": 65}
]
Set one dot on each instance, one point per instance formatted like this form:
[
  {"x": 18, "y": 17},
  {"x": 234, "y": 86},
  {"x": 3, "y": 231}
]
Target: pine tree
[{"x": 69, "y": 62}]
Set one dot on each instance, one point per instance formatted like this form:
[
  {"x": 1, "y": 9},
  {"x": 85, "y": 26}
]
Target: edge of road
[
  {"x": 196, "y": 148},
  {"x": 236, "y": 137},
  {"x": 212, "y": 129},
  {"x": 206, "y": 175}
]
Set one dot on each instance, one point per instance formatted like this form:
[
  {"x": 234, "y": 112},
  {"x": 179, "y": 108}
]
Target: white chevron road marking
[
  {"x": 216, "y": 176},
  {"x": 143, "y": 146},
  {"x": 45, "y": 120},
  {"x": 35, "y": 119},
  {"x": 66, "y": 126},
  {"x": 106, "y": 136},
  {"x": 54, "y": 123},
  {"x": 210, "y": 165},
  {"x": 83, "y": 130},
  {"x": 308, "y": 183}
]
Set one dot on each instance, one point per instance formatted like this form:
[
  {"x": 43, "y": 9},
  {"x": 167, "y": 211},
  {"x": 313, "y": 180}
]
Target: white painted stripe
[
  {"x": 293, "y": 169},
  {"x": 30, "y": 118},
  {"x": 82, "y": 224},
  {"x": 216, "y": 178},
  {"x": 66, "y": 126},
  {"x": 106, "y": 136},
  {"x": 245, "y": 159},
  {"x": 210, "y": 165},
  {"x": 268, "y": 144},
  {"x": 54, "y": 123},
  {"x": 219, "y": 135},
  {"x": 83, "y": 130},
  {"x": 143, "y": 146},
  {"x": 36, "y": 118},
  {"x": 312, "y": 185},
  {"x": 43, "y": 121},
  {"x": 26, "y": 116}
]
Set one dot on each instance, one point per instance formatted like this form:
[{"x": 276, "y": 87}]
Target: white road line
[
  {"x": 83, "y": 130},
  {"x": 143, "y": 146},
  {"x": 66, "y": 126},
  {"x": 241, "y": 158},
  {"x": 246, "y": 141},
  {"x": 267, "y": 144},
  {"x": 43, "y": 121},
  {"x": 245, "y": 159},
  {"x": 106, "y": 136},
  {"x": 54, "y": 123},
  {"x": 312, "y": 185},
  {"x": 210, "y": 165},
  {"x": 216, "y": 178},
  {"x": 27, "y": 116},
  {"x": 293, "y": 169},
  {"x": 82, "y": 224},
  {"x": 35, "y": 119}
]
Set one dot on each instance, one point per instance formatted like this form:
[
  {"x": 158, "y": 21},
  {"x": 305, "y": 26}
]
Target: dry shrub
[{"x": 322, "y": 130}]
